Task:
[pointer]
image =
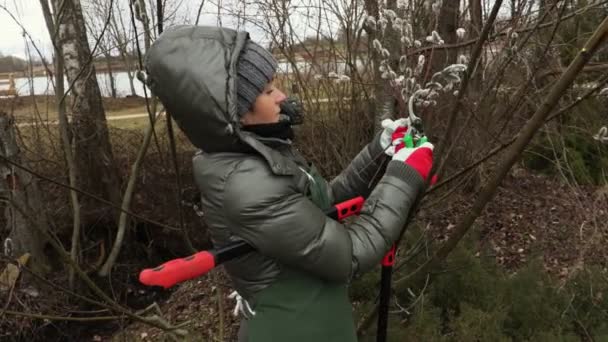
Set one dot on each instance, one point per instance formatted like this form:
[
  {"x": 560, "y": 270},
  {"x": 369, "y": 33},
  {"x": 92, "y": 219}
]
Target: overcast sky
[{"x": 29, "y": 14}]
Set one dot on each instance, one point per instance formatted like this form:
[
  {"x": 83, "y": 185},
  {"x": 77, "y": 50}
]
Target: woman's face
[{"x": 266, "y": 108}]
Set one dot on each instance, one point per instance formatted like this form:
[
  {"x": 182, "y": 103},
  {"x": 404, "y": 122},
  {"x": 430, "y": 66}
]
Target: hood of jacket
[{"x": 192, "y": 70}]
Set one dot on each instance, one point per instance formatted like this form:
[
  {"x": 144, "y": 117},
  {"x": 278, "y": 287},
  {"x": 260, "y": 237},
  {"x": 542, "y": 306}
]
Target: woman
[{"x": 217, "y": 85}]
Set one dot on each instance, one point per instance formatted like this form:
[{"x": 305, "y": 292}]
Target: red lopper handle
[
  {"x": 389, "y": 257},
  {"x": 350, "y": 207},
  {"x": 182, "y": 269},
  {"x": 178, "y": 270}
]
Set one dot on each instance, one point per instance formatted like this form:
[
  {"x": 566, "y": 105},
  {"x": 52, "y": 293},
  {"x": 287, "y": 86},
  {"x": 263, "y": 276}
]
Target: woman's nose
[{"x": 280, "y": 97}]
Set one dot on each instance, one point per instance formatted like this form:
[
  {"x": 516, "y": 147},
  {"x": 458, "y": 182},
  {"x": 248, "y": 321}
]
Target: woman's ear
[{"x": 246, "y": 118}]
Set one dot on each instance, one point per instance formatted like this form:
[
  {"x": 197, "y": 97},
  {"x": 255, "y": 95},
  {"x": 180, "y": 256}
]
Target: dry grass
[
  {"x": 28, "y": 108},
  {"x": 139, "y": 123}
]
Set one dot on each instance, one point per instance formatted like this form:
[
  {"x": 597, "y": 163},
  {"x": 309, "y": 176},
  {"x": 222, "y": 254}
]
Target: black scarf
[{"x": 279, "y": 130}]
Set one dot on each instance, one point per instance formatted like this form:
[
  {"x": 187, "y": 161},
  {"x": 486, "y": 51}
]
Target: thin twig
[
  {"x": 517, "y": 148},
  {"x": 471, "y": 68},
  {"x": 153, "y": 321},
  {"x": 63, "y": 318},
  {"x": 506, "y": 144},
  {"x": 82, "y": 192}
]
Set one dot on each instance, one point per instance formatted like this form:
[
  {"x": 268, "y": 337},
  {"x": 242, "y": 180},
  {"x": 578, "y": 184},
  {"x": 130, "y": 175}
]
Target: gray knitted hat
[{"x": 255, "y": 68}]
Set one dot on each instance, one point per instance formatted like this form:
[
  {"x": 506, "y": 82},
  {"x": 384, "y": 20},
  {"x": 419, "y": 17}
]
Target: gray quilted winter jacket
[{"x": 257, "y": 189}]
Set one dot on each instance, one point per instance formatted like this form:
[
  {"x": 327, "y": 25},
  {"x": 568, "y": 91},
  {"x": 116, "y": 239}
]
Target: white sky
[{"x": 29, "y": 14}]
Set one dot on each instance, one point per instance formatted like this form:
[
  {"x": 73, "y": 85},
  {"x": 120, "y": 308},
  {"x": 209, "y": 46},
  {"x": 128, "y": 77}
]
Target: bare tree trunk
[
  {"x": 479, "y": 138},
  {"x": 126, "y": 199},
  {"x": 392, "y": 41},
  {"x": 142, "y": 15},
  {"x": 111, "y": 74},
  {"x": 476, "y": 18},
  {"x": 513, "y": 8},
  {"x": 371, "y": 7},
  {"x": 131, "y": 77},
  {"x": 140, "y": 6},
  {"x": 518, "y": 6},
  {"x": 20, "y": 190},
  {"x": 550, "y": 57},
  {"x": 126, "y": 59},
  {"x": 446, "y": 27},
  {"x": 95, "y": 168},
  {"x": 475, "y": 28},
  {"x": 121, "y": 39},
  {"x": 66, "y": 137},
  {"x": 383, "y": 106}
]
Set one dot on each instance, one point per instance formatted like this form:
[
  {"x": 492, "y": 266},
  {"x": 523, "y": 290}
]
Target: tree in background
[
  {"x": 85, "y": 141},
  {"x": 95, "y": 168}
]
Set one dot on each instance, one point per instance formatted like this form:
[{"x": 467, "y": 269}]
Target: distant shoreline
[
  {"x": 101, "y": 67},
  {"x": 39, "y": 71}
]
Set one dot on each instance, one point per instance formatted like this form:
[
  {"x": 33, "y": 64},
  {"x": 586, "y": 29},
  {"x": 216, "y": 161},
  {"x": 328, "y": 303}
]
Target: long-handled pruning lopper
[
  {"x": 413, "y": 137},
  {"x": 182, "y": 269}
]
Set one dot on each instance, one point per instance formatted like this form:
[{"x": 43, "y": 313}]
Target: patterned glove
[
  {"x": 419, "y": 158},
  {"x": 390, "y": 128}
]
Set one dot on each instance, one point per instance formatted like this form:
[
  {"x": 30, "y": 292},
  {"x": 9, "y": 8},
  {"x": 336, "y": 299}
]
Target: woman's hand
[
  {"x": 420, "y": 158},
  {"x": 399, "y": 126}
]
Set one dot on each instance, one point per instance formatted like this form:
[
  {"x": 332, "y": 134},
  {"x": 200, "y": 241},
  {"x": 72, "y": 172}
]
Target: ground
[
  {"x": 195, "y": 301},
  {"x": 25, "y": 108},
  {"x": 534, "y": 214}
]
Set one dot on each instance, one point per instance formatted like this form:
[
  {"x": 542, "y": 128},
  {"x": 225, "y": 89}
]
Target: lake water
[{"x": 43, "y": 85}]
